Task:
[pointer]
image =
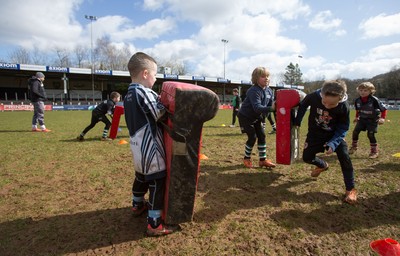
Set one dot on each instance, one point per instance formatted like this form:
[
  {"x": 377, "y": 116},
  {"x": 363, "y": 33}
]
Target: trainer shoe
[
  {"x": 351, "y": 196},
  {"x": 232, "y": 126},
  {"x": 161, "y": 230},
  {"x": 352, "y": 150},
  {"x": 45, "y": 130},
  {"x": 266, "y": 163},
  {"x": 139, "y": 208},
  {"x": 317, "y": 171},
  {"x": 35, "y": 130},
  {"x": 247, "y": 163},
  {"x": 105, "y": 139},
  {"x": 80, "y": 138},
  {"x": 373, "y": 155},
  {"x": 272, "y": 132}
]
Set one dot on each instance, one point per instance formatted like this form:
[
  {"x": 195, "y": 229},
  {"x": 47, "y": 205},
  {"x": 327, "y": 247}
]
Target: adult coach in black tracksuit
[{"x": 37, "y": 95}]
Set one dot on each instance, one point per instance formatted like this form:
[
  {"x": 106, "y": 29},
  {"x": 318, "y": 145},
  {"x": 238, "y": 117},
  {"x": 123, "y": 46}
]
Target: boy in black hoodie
[
  {"x": 328, "y": 123},
  {"x": 99, "y": 114}
]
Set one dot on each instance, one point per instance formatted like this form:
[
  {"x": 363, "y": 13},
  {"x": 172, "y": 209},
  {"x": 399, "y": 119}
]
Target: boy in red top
[{"x": 370, "y": 112}]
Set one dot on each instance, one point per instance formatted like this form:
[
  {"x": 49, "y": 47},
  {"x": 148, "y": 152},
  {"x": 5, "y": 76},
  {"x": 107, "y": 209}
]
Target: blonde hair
[
  {"x": 259, "y": 72},
  {"x": 367, "y": 85},
  {"x": 334, "y": 88},
  {"x": 139, "y": 62}
]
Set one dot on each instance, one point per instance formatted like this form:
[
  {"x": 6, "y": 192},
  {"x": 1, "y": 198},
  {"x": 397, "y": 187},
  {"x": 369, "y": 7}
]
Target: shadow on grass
[
  {"x": 380, "y": 167},
  {"x": 26, "y": 131},
  {"x": 226, "y": 193},
  {"x": 368, "y": 213},
  {"x": 93, "y": 139},
  {"x": 225, "y": 135},
  {"x": 96, "y": 230}
]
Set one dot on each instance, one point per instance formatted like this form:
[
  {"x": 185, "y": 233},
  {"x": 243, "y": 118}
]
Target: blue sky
[{"x": 343, "y": 38}]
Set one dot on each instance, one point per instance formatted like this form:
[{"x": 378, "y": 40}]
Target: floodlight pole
[
  {"x": 224, "y": 41},
  {"x": 91, "y": 18}
]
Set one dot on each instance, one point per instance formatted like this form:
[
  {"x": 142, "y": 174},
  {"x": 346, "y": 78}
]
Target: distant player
[
  {"x": 235, "y": 106},
  {"x": 38, "y": 96},
  {"x": 370, "y": 112},
  {"x": 99, "y": 115}
]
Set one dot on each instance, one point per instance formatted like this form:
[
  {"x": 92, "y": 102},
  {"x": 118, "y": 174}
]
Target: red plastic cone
[{"x": 386, "y": 247}]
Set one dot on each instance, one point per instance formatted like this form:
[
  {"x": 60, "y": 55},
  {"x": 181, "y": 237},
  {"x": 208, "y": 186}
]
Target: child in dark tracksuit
[
  {"x": 328, "y": 123},
  {"x": 370, "y": 112},
  {"x": 99, "y": 114}
]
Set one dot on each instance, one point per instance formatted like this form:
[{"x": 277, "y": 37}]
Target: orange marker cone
[
  {"x": 203, "y": 157},
  {"x": 122, "y": 142},
  {"x": 386, "y": 247}
]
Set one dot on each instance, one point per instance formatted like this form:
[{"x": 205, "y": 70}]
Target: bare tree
[
  {"x": 38, "y": 58},
  {"x": 280, "y": 78},
  {"x": 177, "y": 67},
  {"x": 124, "y": 56},
  {"x": 20, "y": 55},
  {"x": 108, "y": 56},
  {"x": 81, "y": 53},
  {"x": 63, "y": 57}
]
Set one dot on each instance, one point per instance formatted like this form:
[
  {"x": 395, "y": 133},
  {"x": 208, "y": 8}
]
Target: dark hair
[
  {"x": 334, "y": 88},
  {"x": 138, "y": 62}
]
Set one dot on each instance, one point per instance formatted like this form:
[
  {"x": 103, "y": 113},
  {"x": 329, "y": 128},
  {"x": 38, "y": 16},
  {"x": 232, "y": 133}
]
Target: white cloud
[
  {"x": 39, "y": 23},
  {"x": 340, "y": 32},
  {"x": 390, "y": 51},
  {"x": 261, "y": 33},
  {"x": 153, "y": 4},
  {"x": 212, "y": 11},
  {"x": 381, "y": 25},
  {"x": 121, "y": 29},
  {"x": 324, "y": 21},
  {"x": 378, "y": 60}
]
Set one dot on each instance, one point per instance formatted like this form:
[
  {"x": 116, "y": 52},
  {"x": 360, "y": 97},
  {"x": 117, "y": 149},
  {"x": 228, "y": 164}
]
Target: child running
[{"x": 328, "y": 123}]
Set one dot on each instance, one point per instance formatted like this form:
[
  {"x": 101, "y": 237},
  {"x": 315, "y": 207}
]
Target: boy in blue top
[
  {"x": 328, "y": 123},
  {"x": 257, "y": 103}
]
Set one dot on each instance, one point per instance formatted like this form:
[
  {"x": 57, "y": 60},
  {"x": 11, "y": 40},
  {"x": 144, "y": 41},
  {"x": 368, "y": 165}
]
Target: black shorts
[{"x": 369, "y": 125}]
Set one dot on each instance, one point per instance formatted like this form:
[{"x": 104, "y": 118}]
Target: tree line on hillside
[{"x": 387, "y": 85}]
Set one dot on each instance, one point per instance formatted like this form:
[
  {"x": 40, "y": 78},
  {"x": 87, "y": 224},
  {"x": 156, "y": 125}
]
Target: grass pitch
[{"x": 59, "y": 196}]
